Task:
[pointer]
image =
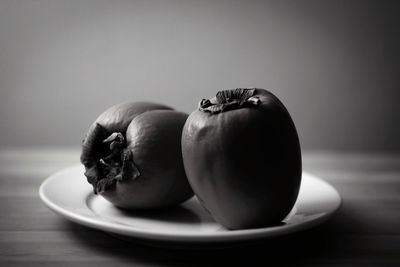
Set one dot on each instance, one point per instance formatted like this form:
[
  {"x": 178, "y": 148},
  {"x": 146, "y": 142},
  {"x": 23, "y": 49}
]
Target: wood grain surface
[{"x": 364, "y": 232}]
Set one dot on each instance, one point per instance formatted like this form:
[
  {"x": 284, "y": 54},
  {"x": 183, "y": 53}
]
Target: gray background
[{"x": 334, "y": 64}]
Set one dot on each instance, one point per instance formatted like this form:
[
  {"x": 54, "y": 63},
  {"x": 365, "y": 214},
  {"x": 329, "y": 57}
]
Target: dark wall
[{"x": 335, "y": 64}]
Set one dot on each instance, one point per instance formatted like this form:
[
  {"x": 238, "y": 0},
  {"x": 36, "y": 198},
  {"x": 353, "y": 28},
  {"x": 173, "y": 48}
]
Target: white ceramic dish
[{"x": 68, "y": 194}]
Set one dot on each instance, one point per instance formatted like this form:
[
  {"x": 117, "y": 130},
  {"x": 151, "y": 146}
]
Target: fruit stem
[
  {"x": 118, "y": 165},
  {"x": 230, "y": 99},
  {"x": 106, "y": 159}
]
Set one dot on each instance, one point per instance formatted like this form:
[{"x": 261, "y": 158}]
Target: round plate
[{"x": 68, "y": 194}]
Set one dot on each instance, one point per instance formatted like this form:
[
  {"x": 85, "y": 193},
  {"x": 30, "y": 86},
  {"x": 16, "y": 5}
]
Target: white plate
[{"x": 68, "y": 194}]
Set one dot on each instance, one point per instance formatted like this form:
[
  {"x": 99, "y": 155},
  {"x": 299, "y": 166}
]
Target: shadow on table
[{"x": 312, "y": 246}]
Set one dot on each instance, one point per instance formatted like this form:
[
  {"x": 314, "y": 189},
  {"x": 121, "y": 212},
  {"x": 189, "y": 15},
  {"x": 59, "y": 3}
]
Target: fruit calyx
[
  {"x": 114, "y": 164},
  {"x": 230, "y": 99}
]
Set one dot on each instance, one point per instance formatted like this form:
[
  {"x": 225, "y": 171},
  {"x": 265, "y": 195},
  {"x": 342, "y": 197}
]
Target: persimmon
[
  {"x": 242, "y": 158},
  {"x": 132, "y": 156}
]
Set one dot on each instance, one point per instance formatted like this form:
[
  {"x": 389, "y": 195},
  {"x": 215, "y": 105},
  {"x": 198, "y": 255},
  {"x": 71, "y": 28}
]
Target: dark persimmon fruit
[
  {"x": 242, "y": 158},
  {"x": 133, "y": 158}
]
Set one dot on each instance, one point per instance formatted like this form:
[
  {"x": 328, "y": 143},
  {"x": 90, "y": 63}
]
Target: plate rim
[{"x": 235, "y": 235}]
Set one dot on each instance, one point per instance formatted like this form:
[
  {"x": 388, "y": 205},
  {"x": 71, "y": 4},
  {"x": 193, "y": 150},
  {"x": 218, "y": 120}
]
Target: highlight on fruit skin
[
  {"x": 132, "y": 156},
  {"x": 242, "y": 158}
]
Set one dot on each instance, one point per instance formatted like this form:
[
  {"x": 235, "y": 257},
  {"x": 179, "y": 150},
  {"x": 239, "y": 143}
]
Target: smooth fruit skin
[
  {"x": 118, "y": 117},
  {"x": 154, "y": 138},
  {"x": 244, "y": 165}
]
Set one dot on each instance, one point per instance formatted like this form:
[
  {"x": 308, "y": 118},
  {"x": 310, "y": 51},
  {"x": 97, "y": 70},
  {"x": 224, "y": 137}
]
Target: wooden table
[{"x": 365, "y": 231}]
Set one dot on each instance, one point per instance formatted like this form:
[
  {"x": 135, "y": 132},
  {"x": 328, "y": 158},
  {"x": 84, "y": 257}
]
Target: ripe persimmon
[
  {"x": 132, "y": 156},
  {"x": 242, "y": 158}
]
